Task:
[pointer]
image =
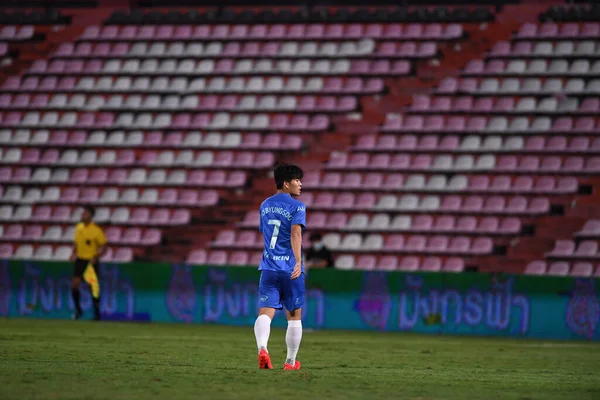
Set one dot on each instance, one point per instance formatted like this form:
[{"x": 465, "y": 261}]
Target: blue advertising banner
[{"x": 436, "y": 303}]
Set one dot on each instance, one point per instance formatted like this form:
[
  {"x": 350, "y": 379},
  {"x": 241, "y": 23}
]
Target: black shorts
[{"x": 80, "y": 266}]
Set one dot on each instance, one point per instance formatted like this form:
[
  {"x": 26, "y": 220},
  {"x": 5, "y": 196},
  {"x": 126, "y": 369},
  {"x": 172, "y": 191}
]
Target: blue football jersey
[{"x": 278, "y": 214}]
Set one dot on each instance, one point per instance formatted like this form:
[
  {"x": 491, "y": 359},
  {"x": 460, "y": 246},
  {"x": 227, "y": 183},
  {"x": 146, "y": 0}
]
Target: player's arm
[
  {"x": 296, "y": 239},
  {"x": 101, "y": 245},
  {"x": 74, "y": 251}
]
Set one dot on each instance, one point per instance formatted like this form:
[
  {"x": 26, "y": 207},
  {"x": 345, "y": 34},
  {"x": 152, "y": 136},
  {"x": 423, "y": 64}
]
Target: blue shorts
[{"x": 277, "y": 289}]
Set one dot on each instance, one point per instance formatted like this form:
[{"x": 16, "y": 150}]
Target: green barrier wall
[{"x": 468, "y": 303}]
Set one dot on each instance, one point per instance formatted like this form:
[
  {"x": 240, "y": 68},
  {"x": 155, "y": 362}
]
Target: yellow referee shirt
[{"x": 87, "y": 240}]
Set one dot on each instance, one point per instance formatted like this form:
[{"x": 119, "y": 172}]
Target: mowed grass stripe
[{"x": 52, "y": 359}]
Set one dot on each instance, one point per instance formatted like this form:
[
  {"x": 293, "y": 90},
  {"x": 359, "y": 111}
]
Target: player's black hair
[
  {"x": 90, "y": 209},
  {"x": 286, "y": 173}
]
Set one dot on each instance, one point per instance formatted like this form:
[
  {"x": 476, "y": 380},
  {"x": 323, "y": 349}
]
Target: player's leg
[
  {"x": 294, "y": 301},
  {"x": 269, "y": 301},
  {"x": 78, "y": 269}
]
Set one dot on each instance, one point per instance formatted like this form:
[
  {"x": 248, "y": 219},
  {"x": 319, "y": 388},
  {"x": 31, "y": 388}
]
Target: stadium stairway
[
  {"x": 568, "y": 213},
  {"x": 478, "y": 39}
]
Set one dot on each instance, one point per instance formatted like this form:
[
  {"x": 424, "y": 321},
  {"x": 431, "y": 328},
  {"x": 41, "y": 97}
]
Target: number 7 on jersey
[{"x": 277, "y": 224}]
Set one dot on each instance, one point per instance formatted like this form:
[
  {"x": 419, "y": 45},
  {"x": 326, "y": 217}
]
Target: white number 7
[{"x": 277, "y": 224}]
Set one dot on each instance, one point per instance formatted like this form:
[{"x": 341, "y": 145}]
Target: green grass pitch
[{"x": 43, "y": 359}]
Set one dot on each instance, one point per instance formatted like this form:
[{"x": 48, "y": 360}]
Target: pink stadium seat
[
  {"x": 32, "y": 232},
  {"x": 140, "y": 216},
  {"x": 366, "y": 262},
  {"x": 150, "y": 237},
  {"x": 225, "y": 238},
  {"x": 415, "y": 243},
  {"x": 6, "y": 251},
  {"x": 21, "y": 174},
  {"x": 536, "y": 268},
  {"x": 113, "y": 234},
  {"x": 386, "y": 263},
  {"x": 180, "y": 217},
  {"x": 337, "y": 220},
  {"x": 197, "y": 257},
  {"x": 422, "y": 223},
  {"x": 431, "y": 264},
  {"x": 239, "y": 258},
  {"x": 587, "y": 248},
  {"x": 409, "y": 263},
  {"x": 453, "y": 264},
  {"x": 217, "y": 257},
  {"x": 590, "y": 228},
  {"x": 562, "y": 248},
  {"x": 583, "y": 269},
  {"x": 41, "y": 213},
  {"x": 61, "y": 213},
  {"x": 558, "y": 269},
  {"x": 437, "y": 244},
  {"x": 123, "y": 254},
  {"x": 89, "y": 195},
  {"x": 444, "y": 223},
  {"x": 70, "y": 195},
  {"x": 13, "y": 232}
]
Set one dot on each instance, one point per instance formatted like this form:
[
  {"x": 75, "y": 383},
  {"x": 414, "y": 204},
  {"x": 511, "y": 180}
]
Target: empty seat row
[
  {"x": 473, "y": 143},
  {"x": 118, "y": 215},
  {"x": 419, "y": 223},
  {"x": 562, "y": 268},
  {"x": 176, "y": 102},
  {"x": 372, "y": 242},
  {"x": 120, "y": 158},
  {"x": 365, "y": 48},
  {"x": 563, "y": 48},
  {"x": 68, "y": 214},
  {"x": 59, "y": 253},
  {"x": 289, "y": 49},
  {"x": 525, "y": 105},
  {"x": 411, "y": 203},
  {"x": 499, "y": 125},
  {"x": 552, "y": 30},
  {"x": 407, "y": 263},
  {"x": 182, "y": 197},
  {"x": 137, "y": 139},
  {"x": 516, "y": 86},
  {"x": 16, "y": 33},
  {"x": 217, "y": 178},
  {"x": 570, "y": 249},
  {"x": 440, "y": 183},
  {"x": 591, "y": 229},
  {"x": 221, "y": 257},
  {"x": 409, "y": 243},
  {"x": 535, "y": 67},
  {"x": 172, "y": 67},
  {"x": 114, "y": 235},
  {"x": 403, "y": 223},
  {"x": 216, "y": 49},
  {"x": 128, "y": 120},
  {"x": 463, "y": 163},
  {"x": 272, "y": 32},
  {"x": 195, "y": 85}
]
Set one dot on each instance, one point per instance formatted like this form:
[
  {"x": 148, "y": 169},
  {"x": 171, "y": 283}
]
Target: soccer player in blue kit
[{"x": 282, "y": 220}]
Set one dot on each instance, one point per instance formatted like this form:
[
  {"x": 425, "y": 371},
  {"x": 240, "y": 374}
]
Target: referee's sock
[
  {"x": 75, "y": 295},
  {"x": 96, "y": 302}
]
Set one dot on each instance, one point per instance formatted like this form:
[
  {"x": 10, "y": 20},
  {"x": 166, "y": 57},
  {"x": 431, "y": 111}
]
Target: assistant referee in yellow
[{"x": 90, "y": 245}]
